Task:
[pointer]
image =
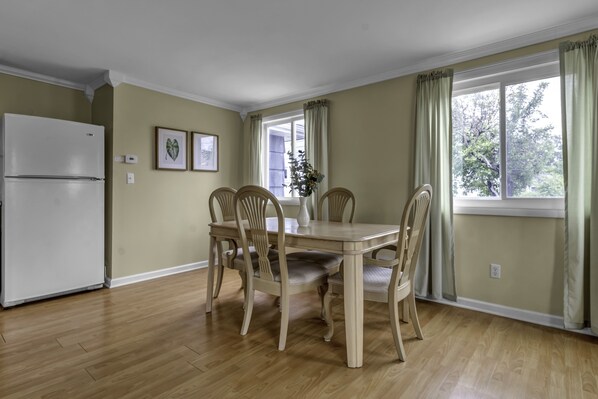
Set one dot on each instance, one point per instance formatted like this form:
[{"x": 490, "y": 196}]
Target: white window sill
[
  {"x": 288, "y": 201},
  {"x": 552, "y": 208}
]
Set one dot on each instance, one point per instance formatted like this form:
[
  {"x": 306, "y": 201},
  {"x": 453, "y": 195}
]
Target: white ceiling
[{"x": 248, "y": 54}]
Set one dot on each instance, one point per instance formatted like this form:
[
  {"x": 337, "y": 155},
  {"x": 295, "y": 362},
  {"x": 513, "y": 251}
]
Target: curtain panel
[
  {"x": 435, "y": 273},
  {"x": 254, "y": 168},
  {"x": 316, "y": 144},
  {"x": 579, "y": 89}
]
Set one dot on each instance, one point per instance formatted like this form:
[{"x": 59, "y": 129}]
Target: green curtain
[
  {"x": 579, "y": 87},
  {"x": 435, "y": 273},
  {"x": 254, "y": 168},
  {"x": 316, "y": 144}
]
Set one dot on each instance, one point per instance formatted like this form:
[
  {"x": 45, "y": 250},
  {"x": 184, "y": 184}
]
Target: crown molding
[
  {"x": 556, "y": 32},
  {"x": 181, "y": 94},
  {"x": 22, "y": 73},
  {"x": 113, "y": 78}
]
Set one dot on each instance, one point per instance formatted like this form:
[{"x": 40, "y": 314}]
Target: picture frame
[
  {"x": 205, "y": 152},
  {"x": 171, "y": 148}
]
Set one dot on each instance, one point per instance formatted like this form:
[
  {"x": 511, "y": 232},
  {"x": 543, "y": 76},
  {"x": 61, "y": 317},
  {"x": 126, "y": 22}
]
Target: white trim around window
[{"x": 523, "y": 207}]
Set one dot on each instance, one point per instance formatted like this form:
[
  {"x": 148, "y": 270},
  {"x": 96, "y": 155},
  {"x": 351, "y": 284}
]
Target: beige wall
[
  {"x": 371, "y": 153},
  {"x": 30, "y": 97},
  {"x": 530, "y": 251},
  {"x": 161, "y": 220}
]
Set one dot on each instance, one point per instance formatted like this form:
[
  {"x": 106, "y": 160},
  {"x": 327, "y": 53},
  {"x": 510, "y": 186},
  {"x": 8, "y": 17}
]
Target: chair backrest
[
  {"x": 224, "y": 196},
  {"x": 251, "y": 202},
  {"x": 413, "y": 225},
  {"x": 338, "y": 198}
]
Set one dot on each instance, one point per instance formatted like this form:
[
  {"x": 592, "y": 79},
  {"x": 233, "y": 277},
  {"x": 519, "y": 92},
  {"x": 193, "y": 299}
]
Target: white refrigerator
[{"x": 52, "y": 207}]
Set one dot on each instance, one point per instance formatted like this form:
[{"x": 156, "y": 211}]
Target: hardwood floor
[{"x": 154, "y": 340}]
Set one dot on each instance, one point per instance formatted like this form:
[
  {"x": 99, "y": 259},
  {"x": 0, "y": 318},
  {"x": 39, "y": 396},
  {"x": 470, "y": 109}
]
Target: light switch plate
[{"x": 130, "y": 178}]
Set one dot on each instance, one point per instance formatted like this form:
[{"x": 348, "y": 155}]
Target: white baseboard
[
  {"x": 136, "y": 278},
  {"x": 529, "y": 316}
]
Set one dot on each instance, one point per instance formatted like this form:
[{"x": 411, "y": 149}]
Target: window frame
[
  {"x": 287, "y": 117},
  {"x": 538, "y": 66}
]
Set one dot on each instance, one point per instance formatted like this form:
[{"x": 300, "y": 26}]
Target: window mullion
[{"x": 503, "y": 143}]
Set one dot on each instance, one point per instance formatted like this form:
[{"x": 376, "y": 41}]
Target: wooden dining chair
[
  {"x": 337, "y": 199},
  {"x": 280, "y": 276},
  {"x": 224, "y": 196},
  {"x": 391, "y": 280}
]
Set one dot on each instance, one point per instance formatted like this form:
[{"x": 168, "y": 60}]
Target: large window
[
  {"x": 507, "y": 142},
  {"x": 282, "y": 134}
]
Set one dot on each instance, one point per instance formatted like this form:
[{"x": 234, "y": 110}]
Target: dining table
[{"x": 352, "y": 240}]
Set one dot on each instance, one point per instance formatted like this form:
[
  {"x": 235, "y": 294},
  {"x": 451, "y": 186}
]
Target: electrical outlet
[{"x": 494, "y": 270}]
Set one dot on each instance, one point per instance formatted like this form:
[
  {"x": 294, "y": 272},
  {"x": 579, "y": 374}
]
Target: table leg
[
  {"x": 353, "y": 277},
  {"x": 211, "y": 265}
]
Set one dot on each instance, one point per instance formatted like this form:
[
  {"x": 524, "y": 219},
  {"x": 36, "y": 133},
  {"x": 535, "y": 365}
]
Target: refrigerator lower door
[{"x": 53, "y": 238}]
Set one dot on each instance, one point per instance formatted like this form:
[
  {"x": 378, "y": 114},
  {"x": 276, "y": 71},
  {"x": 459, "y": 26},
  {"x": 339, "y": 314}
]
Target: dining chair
[
  {"x": 338, "y": 199},
  {"x": 224, "y": 196},
  {"x": 280, "y": 276},
  {"x": 391, "y": 280}
]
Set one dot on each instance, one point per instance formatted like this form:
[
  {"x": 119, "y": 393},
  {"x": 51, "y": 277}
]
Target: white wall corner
[
  {"x": 113, "y": 78},
  {"x": 243, "y": 115},
  {"x": 89, "y": 93}
]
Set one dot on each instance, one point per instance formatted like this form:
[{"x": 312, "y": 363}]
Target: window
[
  {"x": 507, "y": 142},
  {"x": 283, "y": 133}
]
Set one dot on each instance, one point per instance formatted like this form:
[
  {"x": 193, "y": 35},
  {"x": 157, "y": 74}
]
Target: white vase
[{"x": 303, "y": 215}]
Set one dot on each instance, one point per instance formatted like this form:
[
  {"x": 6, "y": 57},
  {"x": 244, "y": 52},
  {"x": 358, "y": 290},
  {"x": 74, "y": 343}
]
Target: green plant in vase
[{"x": 304, "y": 180}]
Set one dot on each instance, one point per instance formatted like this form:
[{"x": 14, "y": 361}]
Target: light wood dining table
[{"x": 352, "y": 240}]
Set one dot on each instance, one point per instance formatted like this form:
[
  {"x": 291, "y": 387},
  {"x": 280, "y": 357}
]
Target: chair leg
[
  {"x": 249, "y": 293},
  {"x": 284, "y": 320},
  {"x": 405, "y": 312},
  {"x": 322, "y": 290},
  {"x": 243, "y": 286},
  {"x": 243, "y": 278},
  {"x": 327, "y": 300},
  {"x": 393, "y": 308},
  {"x": 414, "y": 318},
  {"x": 220, "y": 275}
]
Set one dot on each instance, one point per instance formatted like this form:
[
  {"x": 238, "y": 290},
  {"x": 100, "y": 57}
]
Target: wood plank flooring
[{"x": 154, "y": 340}]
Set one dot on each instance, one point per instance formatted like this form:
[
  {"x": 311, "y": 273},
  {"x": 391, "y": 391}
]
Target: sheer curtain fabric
[
  {"x": 254, "y": 168},
  {"x": 316, "y": 144},
  {"x": 579, "y": 85},
  {"x": 435, "y": 273}
]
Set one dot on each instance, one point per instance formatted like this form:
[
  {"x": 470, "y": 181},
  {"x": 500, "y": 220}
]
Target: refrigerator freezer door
[
  {"x": 53, "y": 237},
  {"x": 34, "y": 146}
]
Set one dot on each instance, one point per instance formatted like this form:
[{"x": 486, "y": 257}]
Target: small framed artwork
[
  {"x": 204, "y": 152},
  {"x": 171, "y": 149}
]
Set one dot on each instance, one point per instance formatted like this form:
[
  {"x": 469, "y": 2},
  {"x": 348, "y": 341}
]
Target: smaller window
[{"x": 283, "y": 134}]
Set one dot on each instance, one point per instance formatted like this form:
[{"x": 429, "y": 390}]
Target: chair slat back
[
  {"x": 338, "y": 199},
  {"x": 252, "y": 202},
  {"x": 224, "y": 196},
  {"x": 413, "y": 225}
]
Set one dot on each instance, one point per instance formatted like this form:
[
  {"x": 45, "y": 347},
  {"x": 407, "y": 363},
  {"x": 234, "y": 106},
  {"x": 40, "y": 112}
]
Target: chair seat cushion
[
  {"x": 300, "y": 272},
  {"x": 375, "y": 279},
  {"x": 326, "y": 259},
  {"x": 239, "y": 261}
]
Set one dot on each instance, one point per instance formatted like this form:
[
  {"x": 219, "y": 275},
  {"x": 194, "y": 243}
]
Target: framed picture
[
  {"x": 205, "y": 152},
  {"x": 171, "y": 149}
]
